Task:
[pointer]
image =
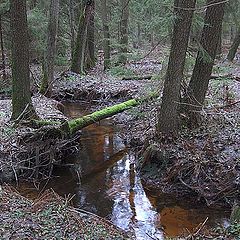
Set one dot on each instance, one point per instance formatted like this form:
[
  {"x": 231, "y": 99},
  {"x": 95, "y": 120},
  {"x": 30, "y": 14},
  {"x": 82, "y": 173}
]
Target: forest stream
[{"x": 111, "y": 187}]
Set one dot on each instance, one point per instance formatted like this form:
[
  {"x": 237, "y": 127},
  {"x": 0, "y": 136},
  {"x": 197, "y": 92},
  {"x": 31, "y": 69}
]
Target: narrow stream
[{"x": 111, "y": 188}]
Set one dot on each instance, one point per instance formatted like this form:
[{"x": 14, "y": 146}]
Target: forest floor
[
  {"x": 49, "y": 217},
  {"x": 202, "y": 163}
]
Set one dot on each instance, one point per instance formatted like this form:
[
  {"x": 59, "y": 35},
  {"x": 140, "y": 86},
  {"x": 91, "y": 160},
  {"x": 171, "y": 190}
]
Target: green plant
[
  {"x": 8, "y": 131},
  {"x": 120, "y": 71},
  {"x": 234, "y": 229}
]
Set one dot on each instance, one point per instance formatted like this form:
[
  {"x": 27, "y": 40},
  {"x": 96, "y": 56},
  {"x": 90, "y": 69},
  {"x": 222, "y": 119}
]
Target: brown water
[{"x": 111, "y": 188}]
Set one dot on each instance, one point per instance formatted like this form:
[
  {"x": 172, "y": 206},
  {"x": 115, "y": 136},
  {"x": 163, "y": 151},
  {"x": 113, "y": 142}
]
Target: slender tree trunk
[
  {"x": 81, "y": 41},
  {"x": 202, "y": 71},
  {"x": 71, "y": 25},
  {"x": 90, "y": 50},
  {"x": 2, "y": 50},
  {"x": 106, "y": 35},
  {"x": 48, "y": 74},
  {"x": 124, "y": 31},
  {"x": 168, "y": 116},
  {"x": 22, "y": 107},
  {"x": 233, "y": 49}
]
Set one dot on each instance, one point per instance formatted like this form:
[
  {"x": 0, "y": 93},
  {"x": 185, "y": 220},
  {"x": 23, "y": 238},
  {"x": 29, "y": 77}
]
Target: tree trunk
[
  {"x": 22, "y": 107},
  {"x": 81, "y": 41},
  {"x": 124, "y": 32},
  {"x": 106, "y": 35},
  {"x": 90, "y": 50},
  {"x": 71, "y": 25},
  {"x": 3, "y": 67},
  {"x": 202, "y": 71},
  {"x": 168, "y": 119},
  {"x": 233, "y": 49},
  {"x": 48, "y": 73}
]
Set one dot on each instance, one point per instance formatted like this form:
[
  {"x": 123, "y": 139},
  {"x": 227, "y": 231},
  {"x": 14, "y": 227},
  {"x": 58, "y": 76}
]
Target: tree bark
[
  {"x": 48, "y": 73},
  {"x": 90, "y": 50},
  {"x": 81, "y": 41},
  {"x": 202, "y": 71},
  {"x": 3, "y": 67},
  {"x": 233, "y": 49},
  {"x": 71, "y": 25},
  {"x": 168, "y": 119},
  {"x": 22, "y": 107},
  {"x": 124, "y": 32},
  {"x": 106, "y": 35}
]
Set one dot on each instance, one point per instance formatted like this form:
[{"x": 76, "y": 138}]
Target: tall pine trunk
[
  {"x": 90, "y": 47},
  {"x": 78, "y": 61},
  {"x": 168, "y": 122},
  {"x": 2, "y": 50},
  {"x": 202, "y": 71},
  {"x": 71, "y": 25},
  {"x": 106, "y": 35},
  {"x": 234, "y": 47},
  {"x": 49, "y": 58},
  {"x": 124, "y": 32},
  {"x": 22, "y": 107}
]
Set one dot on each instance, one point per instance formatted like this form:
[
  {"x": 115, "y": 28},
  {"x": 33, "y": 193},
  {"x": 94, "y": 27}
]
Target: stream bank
[
  {"x": 110, "y": 187},
  {"x": 195, "y": 151}
]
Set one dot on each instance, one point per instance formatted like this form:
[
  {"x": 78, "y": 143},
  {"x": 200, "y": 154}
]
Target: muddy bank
[
  {"x": 202, "y": 163},
  {"x": 24, "y": 149},
  {"x": 103, "y": 90},
  {"x": 50, "y": 217}
]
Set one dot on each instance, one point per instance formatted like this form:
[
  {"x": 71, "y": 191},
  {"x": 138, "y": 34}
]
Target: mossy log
[
  {"x": 72, "y": 126},
  {"x": 79, "y": 123}
]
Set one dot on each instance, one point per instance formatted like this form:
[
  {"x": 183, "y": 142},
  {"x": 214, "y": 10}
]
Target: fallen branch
[
  {"x": 221, "y": 77},
  {"x": 146, "y": 77},
  {"x": 228, "y": 76},
  {"x": 228, "y": 105}
]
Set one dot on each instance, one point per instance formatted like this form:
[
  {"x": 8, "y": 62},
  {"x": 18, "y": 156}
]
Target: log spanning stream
[{"x": 113, "y": 189}]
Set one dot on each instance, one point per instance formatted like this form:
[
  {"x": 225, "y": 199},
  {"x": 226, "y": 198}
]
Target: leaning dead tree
[{"x": 70, "y": 127}]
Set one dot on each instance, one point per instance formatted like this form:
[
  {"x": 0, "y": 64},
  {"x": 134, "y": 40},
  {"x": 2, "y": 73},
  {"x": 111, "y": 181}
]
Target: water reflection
[
  {"x": 117, "y": 192},
  {"x": 111, "y": 188}
]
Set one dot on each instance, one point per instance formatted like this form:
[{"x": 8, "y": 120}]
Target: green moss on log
[{"x": 77, "y": 124}]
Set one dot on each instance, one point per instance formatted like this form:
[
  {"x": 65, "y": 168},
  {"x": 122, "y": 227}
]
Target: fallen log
[
  {"x": 146, "y": 77},
  {"x": 228, "y": 76},
  {"x": 79, "y": 123},
  {"x": 70, "y": 127},
  {"x": 221, "y": 77}
]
